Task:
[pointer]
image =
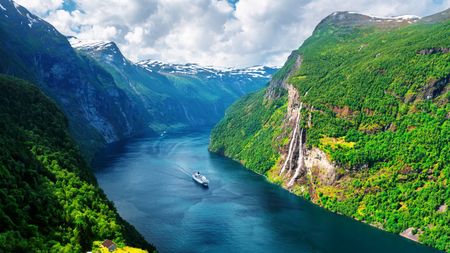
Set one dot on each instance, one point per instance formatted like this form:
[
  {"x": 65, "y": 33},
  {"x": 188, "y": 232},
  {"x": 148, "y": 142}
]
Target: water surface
[{"x": 239, "y": 212}]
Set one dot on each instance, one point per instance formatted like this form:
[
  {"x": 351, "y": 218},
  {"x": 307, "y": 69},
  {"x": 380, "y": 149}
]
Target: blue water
[{"x": 239, "y": 212}]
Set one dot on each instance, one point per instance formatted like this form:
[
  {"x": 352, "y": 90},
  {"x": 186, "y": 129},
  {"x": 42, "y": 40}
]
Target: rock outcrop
[{"x": 298, "y": 162}]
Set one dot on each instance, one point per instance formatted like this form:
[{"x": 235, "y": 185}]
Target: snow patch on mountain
[
  {"x": 210, "y": 72},
  {"x": 90, "y": 44},
  {"x": 31, "y": 20},
  {"x": 109, "y": 52},
  {"x": 404, "y": 18},
  {"x": 17, "y": 6}
]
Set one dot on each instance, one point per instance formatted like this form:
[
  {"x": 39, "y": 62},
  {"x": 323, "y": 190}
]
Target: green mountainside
[
  {"x": 175, "y": 95},
  {"x": 49, "y": 198},
  {"x": 98, "y": 110},
  {"x": 105, "y": 96},
  {"x": 372, "y": 139}
]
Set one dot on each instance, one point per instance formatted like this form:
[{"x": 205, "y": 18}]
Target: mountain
[
  {"x": 32, "y": 49},
  {"x": 240, "y": 75},
  {"x": 357, "y": 121},
  {"x": 105, "y": 96},
  {"x": 175, "y": 95},
  {"x": 50, "y": 200}
]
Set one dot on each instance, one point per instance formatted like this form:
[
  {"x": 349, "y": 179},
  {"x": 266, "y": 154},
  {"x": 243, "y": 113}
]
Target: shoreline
[{"x": 404, "y": 234}]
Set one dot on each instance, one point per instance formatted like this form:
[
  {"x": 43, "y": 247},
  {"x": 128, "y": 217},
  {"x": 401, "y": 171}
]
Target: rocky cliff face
[
  {"x": 32, "y": 49},
  {"x": 298, "y": 165}
]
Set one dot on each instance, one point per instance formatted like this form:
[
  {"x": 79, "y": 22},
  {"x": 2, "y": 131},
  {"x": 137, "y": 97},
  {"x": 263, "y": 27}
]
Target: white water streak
[
  {"x": 299, "y": 162},
  {"x": 291, "y": 145}
]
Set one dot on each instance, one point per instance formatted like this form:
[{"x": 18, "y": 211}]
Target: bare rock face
[
  {"x": 298, "y": 163},
  {"x": 408, "y": 233},
  {"x": 435, "y": 87},
  {"x": 279, "y": 83},
  {"x": 442, "y": 208},
  {"x": 320, "y": 166},
  {"x": 434, "y": 50}
]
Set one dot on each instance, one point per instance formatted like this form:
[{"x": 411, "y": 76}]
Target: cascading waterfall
[
  {"x": 296, "y": 141},
  {"x": 292, "y": 156},
  {"x": 310, "y": 116},
  {"x": 291, "y": 145},
  {"x": 300, "y": 160}
]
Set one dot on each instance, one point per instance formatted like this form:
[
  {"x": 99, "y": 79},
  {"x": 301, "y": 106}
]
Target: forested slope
[
  {"x": 49, "y": 198},
  {"x": 372, "y": 137}
]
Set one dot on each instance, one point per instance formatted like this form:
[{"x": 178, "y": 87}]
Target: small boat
[{"x": 197, "y": 177}]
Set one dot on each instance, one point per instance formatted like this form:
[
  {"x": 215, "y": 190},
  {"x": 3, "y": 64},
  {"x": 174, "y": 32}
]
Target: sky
[{"x": 228, "y": 33}]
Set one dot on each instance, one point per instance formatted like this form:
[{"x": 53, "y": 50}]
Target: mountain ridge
[
  {"x": 182, "y": 95},
  {"x": 40, "y": 54},
  {"x": 106, "y": 96}
]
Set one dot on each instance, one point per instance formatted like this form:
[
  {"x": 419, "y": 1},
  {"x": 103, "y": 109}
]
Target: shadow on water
[{"x": 239, "y": 212}]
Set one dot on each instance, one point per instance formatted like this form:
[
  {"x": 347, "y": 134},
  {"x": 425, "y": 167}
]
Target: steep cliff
[
  {"x": 357, "y": 121},
  {"x": 32, "y": 49},
  {"x": 175, "y": 95}
]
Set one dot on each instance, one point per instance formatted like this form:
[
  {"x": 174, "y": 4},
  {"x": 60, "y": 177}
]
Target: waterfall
[
  {"x": 292, "y": 156},
  {"x": 300, "y": 160},
  {"x": 291, "y": 145},
  {"x": 309, "y": 117}
]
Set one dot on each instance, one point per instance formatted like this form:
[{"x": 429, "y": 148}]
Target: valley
[
  {"x": 239, "y": 212},
  {"x": 345, "y": 148}
]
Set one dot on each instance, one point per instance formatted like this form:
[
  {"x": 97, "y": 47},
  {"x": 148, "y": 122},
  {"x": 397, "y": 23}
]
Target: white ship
[{"x": 200, "y": 179}]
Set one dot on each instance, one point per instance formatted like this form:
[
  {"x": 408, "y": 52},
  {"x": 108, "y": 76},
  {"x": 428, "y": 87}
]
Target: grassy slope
[
  {"x": 50, "y": 200},
  {"x": 368, "y": 86}
]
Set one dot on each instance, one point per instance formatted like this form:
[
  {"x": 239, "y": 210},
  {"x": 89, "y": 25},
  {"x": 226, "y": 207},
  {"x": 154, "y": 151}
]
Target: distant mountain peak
[
  {"x": 16, "y": 15},
  {"x": 339, "y": 15},
  {"x": 107, "y": 50},
  {"x": 437, "y": 17},
  {"x": 348, "y": 19},
  {"x": 257, "y": 71},
  {"x": 91, "y": 44}
]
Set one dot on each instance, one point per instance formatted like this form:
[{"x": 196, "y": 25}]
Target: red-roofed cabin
[{"x": 109, "y": 245}]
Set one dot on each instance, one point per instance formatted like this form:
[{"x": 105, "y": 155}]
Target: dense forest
[
  {"x": 377, "y": 97},
  {"x": 49, "y": 198}
]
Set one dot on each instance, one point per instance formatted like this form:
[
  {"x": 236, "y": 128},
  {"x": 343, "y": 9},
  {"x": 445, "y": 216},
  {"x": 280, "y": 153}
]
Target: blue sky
[
  {"x": 209, "y": 32},
  {"x": 69, "y": 5}
]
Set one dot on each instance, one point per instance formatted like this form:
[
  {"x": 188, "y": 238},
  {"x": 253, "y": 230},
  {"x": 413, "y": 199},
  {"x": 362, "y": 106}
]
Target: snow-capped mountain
[
  {"x": 109, "y": 51},
  {"x": 208, "y": 72},
  {"x": 32, "y": 49},
  {"x": 170, "y": 94}
]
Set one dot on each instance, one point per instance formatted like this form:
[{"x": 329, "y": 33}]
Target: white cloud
[
  {"x": 41, "y": 7},
  {"x": 210, "y": 32},
  {"x": 135, "y": 36}
]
